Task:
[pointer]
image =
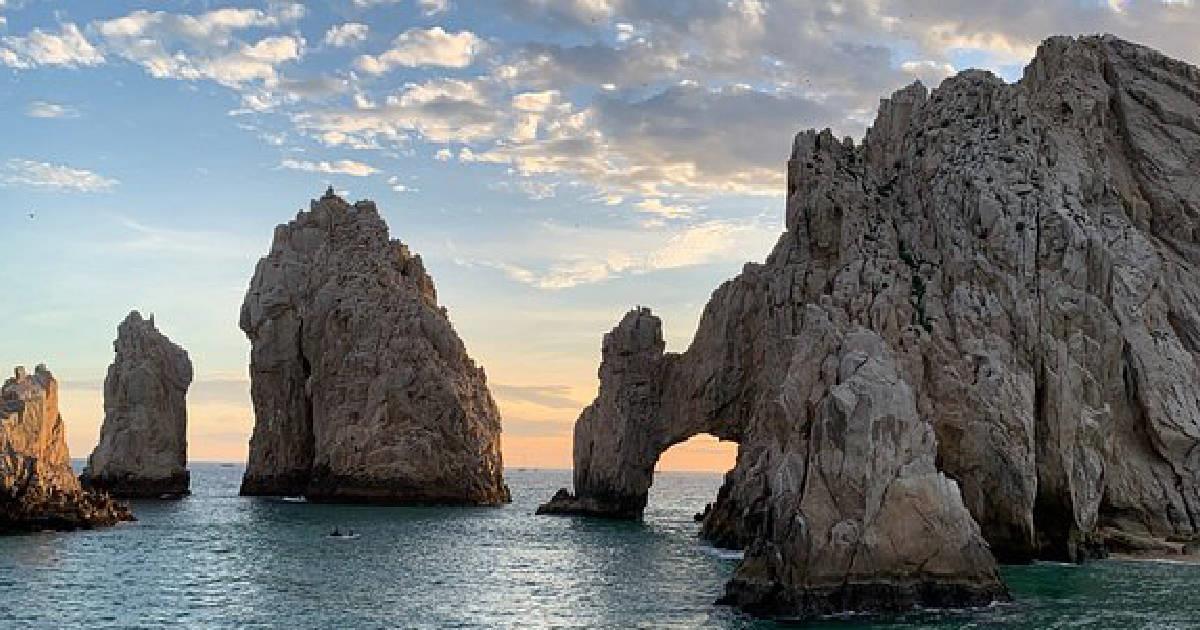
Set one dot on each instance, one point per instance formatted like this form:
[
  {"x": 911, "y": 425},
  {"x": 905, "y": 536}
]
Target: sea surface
[{"x": 216, "y": 560}]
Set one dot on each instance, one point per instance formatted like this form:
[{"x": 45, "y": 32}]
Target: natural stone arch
[{"x": 648, "y": 402}]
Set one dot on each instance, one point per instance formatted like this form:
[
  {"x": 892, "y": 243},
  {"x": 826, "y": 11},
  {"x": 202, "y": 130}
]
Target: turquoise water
[{"x": 216, "y": 560}]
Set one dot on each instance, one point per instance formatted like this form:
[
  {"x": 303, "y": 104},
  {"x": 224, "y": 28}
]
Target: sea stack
[
  {"x": 362, "y": 390},
  {"x": 981, "y": 324},
  {"x": 143, "y": 440},
  {"x": 38, "y": 489}
]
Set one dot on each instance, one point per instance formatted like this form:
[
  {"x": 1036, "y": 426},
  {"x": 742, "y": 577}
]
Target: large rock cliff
[
  {"x": 992, "y": 303},
  {"x": 362, "y": 390},
  {"x": 143, "y": 440},
  {"x": 38, "y": 489}
]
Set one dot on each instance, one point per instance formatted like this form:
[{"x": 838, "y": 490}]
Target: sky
[{"x": 555, "y": 162}]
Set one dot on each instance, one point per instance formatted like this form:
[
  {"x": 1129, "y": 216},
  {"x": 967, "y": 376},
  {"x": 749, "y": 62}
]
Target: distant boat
[
  {"x": 228, "y": 465},
  {"x": 295, "y": 500},
  {"x": 343, "y": 536}
]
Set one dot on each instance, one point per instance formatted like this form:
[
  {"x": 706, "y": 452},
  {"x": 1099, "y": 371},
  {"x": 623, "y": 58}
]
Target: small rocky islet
[
  {"x": 38, "y": 489},
  {"x": 976, "y": 341}
]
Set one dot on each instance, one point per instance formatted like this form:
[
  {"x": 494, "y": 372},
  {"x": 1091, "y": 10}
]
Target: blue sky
[{"x": 556, "y": 162}]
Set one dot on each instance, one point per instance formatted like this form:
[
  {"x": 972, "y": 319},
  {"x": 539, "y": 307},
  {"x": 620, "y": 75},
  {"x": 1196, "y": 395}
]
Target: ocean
[{"x": 216, "y": 560}]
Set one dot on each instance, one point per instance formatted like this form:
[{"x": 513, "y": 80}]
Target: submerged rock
[
  {"x": 38, "y": 489},
  {"x": 362, "y": 390},
  {"x": 143, "y": 440},
  {"x": 982, "y": 324}
]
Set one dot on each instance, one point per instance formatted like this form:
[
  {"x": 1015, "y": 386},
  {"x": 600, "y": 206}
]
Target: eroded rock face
[
  {"x": 38, "y": 489},
  {"x": 143, "y": 440},
  {"x": 362, "y": 390},
  {"x": 1014, "y": 268}
]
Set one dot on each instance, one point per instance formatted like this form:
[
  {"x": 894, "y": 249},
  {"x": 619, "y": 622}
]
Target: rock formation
[
  {"x": 991, "y": 306},
  {"x": 38, "y": 489},
  {"x": 143, "y": 441},
  {"x": 362, "y": 390}
]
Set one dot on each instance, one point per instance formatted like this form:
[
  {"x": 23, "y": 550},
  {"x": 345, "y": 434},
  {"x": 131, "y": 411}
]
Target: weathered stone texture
[
  {"x": 362, "y": 390},
  {"x": 143, "y": 440},
  {"x": 992, "y": 303},
  {"x": 38, "y": 489}
]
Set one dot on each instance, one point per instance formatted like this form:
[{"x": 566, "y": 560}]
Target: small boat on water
[
  {"x": 294, "y": 500},
  {"x": 347, "y": 535}
]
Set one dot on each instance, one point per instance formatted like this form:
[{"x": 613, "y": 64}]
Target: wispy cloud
[
  {"x": 593, "y": 256},
  {"x": 47, "y": 109},
  {"x": 144, "y": 238},
  {"x": 336, "y": 167},
  {"x": 552, "y": 396},
  {"x": 57, "y": 177}
]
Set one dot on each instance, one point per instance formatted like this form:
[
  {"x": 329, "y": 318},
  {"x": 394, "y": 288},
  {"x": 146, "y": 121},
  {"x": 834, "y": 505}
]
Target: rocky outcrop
[
  {"x": 991, "y": 304},
  {"x": 38, "y": 489},
  {"x": 362, "y": 390},
  {"x": 143, "y": 440}
]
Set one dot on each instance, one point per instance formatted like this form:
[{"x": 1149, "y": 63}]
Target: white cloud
[
  {"x": 47, "y": 109},
  {"x": 336, "y": 167},
  {"x": 573, "y": 257},
  {"x": 194, "y": 47},
  {"x": 348, "y": 34},
  {"x": 68, "y": 48},
  {"x": 57, "y": 177},
  {"x": 399, "y": 186},
  {"x": 425, "y": 47},
  {"x": 433, "y": 7},
  {"x": 428, "y": 7},
  {"x": 655, "y": 206},
  {"x": 439, "y": 110}
]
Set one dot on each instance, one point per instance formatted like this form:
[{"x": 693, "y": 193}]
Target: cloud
[
  {"x": 336, "y": 167},
  {"x": 194, "y": 47},
  {"x": 552, "y": 396},
  {"x": 348, "y": 34},
  {"x": 47, "y": 109},
  {"x": 397, "y": 185},
  {"x": 56, "y": 177},
  {"x": 425, "y": 47},
  {"x": 433, "y": 7},
  {"x": 655, "y": 206},
  {"x": 570, "y": 257},
  {"x": 428, "y": 7},
  {"x": 439, "y": 110},
  {"x": 67, "y": 48},
  {"x": 686, "y": 138},
  {"x": 145, "y": 238}
]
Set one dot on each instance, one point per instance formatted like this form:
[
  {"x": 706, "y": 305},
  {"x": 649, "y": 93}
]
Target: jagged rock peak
[
  {"x": 362, "y": 390},
  {"x": 989, "y": 307},
  {"x": 38, "y": 489},
  {"x": 143, "y": 440}
]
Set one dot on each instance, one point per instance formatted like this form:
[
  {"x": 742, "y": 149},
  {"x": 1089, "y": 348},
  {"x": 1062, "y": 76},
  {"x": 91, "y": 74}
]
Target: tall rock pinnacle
[
  {"x": 981, "y": 324},
  {"x": 143, "y": 441},
  {"x": 362, "y": 390}
]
